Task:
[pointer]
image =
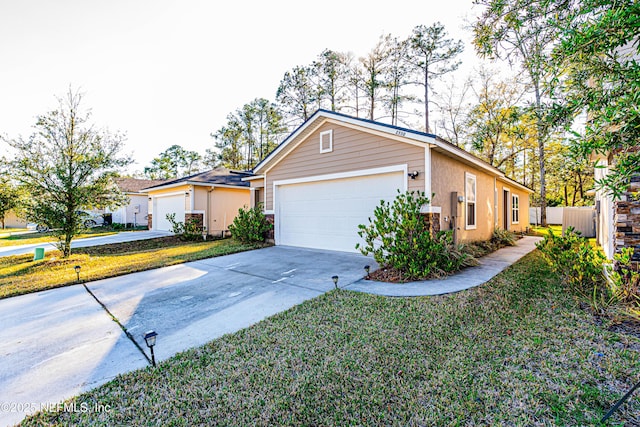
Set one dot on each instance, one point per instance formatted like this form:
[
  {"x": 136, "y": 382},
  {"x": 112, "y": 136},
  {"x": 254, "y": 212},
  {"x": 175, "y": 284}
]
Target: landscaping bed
[
  {"x": 19, "y": 274},
  {"x": 519, "y": 350}
]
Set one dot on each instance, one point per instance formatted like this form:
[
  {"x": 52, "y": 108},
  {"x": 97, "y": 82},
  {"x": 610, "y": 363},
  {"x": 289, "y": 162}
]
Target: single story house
[
  {"x": 136, "y": 211},
  {"x": 328, "y": 176},
  {"x": 213, "y": 198}
]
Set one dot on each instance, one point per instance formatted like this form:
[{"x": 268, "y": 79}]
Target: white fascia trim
[
  {"x": 269, "y": 212},
  {"x": 513, "y": 183},
  {"x": 350, "y": 174},
  {"x": 196, "y": 184},
  {"x": 236, "y": 187},
  {"x": 458, "y": 152},
  {"x": 427, "y": 172},
  {"x": 252, "y": 178},
  {"x": 175, "y": 193},
  {"x": 195, "y": 211}
]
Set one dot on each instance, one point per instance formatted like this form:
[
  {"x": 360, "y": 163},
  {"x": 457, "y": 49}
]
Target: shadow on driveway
[{"x": 58, "y": 343}]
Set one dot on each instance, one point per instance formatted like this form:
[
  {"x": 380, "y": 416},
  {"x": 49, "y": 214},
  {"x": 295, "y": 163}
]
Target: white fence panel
[
  {"x": 582, "y": 219},
  {"x": 554, "y": 215}
]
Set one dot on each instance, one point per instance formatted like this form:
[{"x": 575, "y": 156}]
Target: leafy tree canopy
[
  {"x": 174, "y": 162},
  {"x": 67, "y": 165},
  {"x": 598, "y": 62}
]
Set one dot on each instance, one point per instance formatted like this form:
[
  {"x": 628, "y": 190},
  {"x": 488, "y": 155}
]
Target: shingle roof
[
  {"x": 219, "y": 176},
  {"x": 134, "y": 185}
]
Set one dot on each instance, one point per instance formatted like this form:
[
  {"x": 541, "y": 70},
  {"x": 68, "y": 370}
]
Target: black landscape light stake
[
  {"x": 367, "y": 268},
  {"x": 335, "y": 281},
  {"x": 77, "y": 269},
  {"x": 150, "y": 339}
]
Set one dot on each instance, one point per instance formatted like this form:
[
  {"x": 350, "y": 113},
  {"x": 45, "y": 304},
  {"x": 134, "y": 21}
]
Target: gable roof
[
  {"x": 218, "y": 177},
  {"x": 135, "y": 185},
  {"x": 398, "y": 133}
]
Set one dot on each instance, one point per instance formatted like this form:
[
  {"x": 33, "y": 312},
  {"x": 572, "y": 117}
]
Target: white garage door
[
  {"x": 326, "y": 214},
  {"x": 164, "y": 206}
]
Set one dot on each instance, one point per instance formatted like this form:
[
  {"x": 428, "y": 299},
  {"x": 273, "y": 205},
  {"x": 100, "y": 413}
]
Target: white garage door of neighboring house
[
  {"x": 167, "y": 205},
  {"x": 326, "y": 214}
]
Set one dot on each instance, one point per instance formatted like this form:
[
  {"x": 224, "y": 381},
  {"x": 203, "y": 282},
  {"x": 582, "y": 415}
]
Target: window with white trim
[
  {"x": 470, "y": 200},
  {"x": 326, "y": 141},
  {"x": 515, "y": 209}
]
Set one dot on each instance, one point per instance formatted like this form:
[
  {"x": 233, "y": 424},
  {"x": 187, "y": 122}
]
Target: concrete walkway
[
  {"x": 124, "y": 236},
  {"x": 470, "y": 277}
]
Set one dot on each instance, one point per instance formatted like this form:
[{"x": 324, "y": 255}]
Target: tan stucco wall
[
  {"x": 448, "y": 175},
  {"x": 353, "y": 150},
  {"x": 224, "y": 203},
  {"x": 200, "y": 198}
]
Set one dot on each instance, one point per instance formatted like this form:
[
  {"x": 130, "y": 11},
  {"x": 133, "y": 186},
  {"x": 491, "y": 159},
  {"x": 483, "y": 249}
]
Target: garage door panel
[
  {"x": 326, "y": 214},
  {"x": 168, "y": 205}
]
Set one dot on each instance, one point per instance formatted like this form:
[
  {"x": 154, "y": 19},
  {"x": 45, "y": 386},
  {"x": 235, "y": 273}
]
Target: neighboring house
[
  {"x": 11, "y": 220},
  {"x": 329, "y": 175},
  {"x": 136, "y": 211},
  {"x": 213, "y": 198}
]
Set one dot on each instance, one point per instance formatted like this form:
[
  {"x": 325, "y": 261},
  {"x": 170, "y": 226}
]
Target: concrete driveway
[
  {"x": 125, "y": 236},
  {"x": 58, "y": 343}
]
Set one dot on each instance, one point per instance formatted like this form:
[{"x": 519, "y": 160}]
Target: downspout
[
  {"x": 495, "y": 202},
  {"x": 206, "y": 211}
]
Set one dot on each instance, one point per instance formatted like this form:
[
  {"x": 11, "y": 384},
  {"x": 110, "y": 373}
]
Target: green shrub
[
  {"x": 624, "y": 281},
  {"x": 250, "y": 225},
  {"x": 188, "y": 230},
  {"x": 501, "y": 238},
  {"x": 580, "y": 265},
  {"x": 399, "y": 238}
]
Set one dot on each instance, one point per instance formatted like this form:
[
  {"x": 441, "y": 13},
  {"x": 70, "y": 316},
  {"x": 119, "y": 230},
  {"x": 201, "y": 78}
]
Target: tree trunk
[
  {"x": 580, "y": 186},
  {"x": 540, "y": 136},
  {"x": 426, "y": 99}
]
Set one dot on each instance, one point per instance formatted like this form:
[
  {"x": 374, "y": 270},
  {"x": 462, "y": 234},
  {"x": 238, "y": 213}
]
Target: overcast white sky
[{"x": 169, "y": 72}]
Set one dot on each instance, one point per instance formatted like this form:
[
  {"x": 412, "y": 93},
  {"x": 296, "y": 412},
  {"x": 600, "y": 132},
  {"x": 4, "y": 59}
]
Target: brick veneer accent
[
  {"x": 198, "y": 217},
  {"x": 149, "y": 221},
  {"x": 270, "y": 234},
  {"x": 626, "y": 220},
  {"x": 433, "y": 221}
]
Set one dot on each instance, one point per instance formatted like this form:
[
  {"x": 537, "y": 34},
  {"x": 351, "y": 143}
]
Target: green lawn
[
  {"x": 19, "y": 274},
  {"x": 543, "y": 231},
  {"x": 518, "y": 351}
]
